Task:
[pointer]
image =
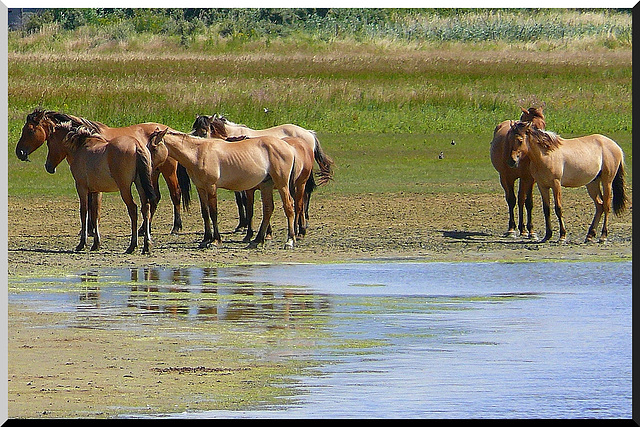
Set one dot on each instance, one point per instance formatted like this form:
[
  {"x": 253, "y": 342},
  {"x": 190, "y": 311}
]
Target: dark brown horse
[
  {"x": 43, "y": 125},
  {"x": 499, "y": 158}
]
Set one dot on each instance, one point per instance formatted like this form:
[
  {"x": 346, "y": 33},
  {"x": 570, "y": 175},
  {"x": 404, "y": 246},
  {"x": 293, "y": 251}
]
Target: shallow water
[{"x": 437, "y": 340}]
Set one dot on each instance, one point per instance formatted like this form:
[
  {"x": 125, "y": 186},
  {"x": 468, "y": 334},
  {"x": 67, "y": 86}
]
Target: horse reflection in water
[{"x": 239, "y": 302}]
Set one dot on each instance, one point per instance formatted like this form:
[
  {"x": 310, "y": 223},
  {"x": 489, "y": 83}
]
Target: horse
[
  {"x": 592, "y": 160},
  {"x": 508, "y": 175},
  {"x": 304, "y": 181},
  {"x": 100, "y": 165},
  {"x": 221, "y": 126},
  {"x": 213, "y": 163},
  {"x": 42, "y": 125}
]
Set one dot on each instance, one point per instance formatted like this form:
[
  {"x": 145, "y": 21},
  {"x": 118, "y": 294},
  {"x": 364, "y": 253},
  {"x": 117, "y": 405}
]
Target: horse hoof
[
  {"x": 532, "y": 236},
  {"x": 130, "y": 250},
  {"x": 94, "y": 248},
  {"x": 79, "y": 248},
  {"x": 511, "y": 233},
  {"x": 204, "y": 245},
  {"x": 603, "y": 240},
  {"x": 562, "y": 241},
  {"x": 288, "y": 245}
]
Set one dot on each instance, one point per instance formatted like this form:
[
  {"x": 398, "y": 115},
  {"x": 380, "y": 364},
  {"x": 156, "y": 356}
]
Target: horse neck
[{"x": 182, "y": 148}]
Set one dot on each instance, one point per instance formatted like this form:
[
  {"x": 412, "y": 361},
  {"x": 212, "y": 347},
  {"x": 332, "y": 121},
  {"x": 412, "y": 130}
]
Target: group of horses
[
  {"x": 216, "y": 154},
  {"x": 524, "y": 150}
]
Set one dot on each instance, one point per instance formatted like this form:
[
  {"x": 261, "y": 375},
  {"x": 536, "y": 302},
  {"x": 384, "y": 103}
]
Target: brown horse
[
  {"x": 499, "y": 158},
  {"x": 42, "y": 125},
  {"x": 213, "y": 163},
  {"x": 99, "y": 165},
  {"x": 211, "y": 127},
  {"x": 555, "y": 162}
]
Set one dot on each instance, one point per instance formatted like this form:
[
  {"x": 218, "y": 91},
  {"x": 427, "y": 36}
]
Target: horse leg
[
  {"x": 546, "y": 209},
  {"x": 83, "y": 196},
  {"x": 249, "y": 197},
  {"x": 171, "y": 178},
  {"x": 213, "y": 213},
  {"x": 593, "y": 188},
  {"x": 528, "y": 203},
  {"x": 289, "y": 211},
  {"x": 132, "y": 209},
  {"x": 510, "y": 197},
  {"x": 521, "y": 201},
  {"x": 300, "y": 220},
  {"x": 241, "y": 203},
  {"x": 155, "y": 175},
  {"x": 606, "y": 202},
  {"x": 266, "y": 192},
  {"x": 557, "y": 199},
  {"x": 95, "y": 200},
  {"x": 204, "y": 208},
  {"x": 146, "y": 224}
]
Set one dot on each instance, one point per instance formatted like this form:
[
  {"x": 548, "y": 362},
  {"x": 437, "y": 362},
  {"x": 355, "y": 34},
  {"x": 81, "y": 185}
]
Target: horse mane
[
  {"x": 78, "y": 135},
  {"x": 235, "y": 138},
  {"x": 58, "y": 118},
  {"x": 545, "y": 139}
]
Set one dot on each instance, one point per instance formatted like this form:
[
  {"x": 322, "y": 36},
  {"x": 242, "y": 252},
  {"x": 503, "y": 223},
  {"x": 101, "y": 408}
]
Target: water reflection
[
  {"x": 485, "y": 340},
  {"x": 196, "y": 294}
]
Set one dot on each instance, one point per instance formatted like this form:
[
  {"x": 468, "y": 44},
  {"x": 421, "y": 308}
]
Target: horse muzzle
[
  {"x": 513, "y": 163},
  {"x": 49, "y": 168},
  {"x": 22, "y": 155}
]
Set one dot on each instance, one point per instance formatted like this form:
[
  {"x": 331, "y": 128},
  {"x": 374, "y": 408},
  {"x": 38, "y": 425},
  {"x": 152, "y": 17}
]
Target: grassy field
[{"x": 384, "y": 107}]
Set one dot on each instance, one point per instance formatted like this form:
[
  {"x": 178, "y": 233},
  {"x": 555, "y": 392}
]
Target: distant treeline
[{"x": 409, "y": 24}]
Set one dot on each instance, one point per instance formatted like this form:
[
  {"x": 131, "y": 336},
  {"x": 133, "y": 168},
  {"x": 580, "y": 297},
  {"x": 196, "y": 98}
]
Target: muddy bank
[{"x": 59, "y": 367}]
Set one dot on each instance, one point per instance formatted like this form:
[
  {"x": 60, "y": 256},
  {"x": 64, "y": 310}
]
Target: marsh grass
[{"x": 383, "y": 109}]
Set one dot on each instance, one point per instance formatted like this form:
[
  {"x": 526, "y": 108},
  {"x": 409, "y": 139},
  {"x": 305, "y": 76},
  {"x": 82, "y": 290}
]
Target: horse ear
[{"x": 523, "y": 110}]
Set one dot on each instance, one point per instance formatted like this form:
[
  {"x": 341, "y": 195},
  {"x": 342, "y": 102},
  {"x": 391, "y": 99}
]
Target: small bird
[
  {"x": 266, "y": 110},
  {"x": 453, "y": 142},
  {"x": 441, "y": 155}
]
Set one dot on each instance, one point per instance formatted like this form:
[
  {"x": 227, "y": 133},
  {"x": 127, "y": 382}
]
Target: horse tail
[
  {"x": 144, "y": 171},
  {"x": 292, "y": 179},
  {"x": 324, "y": 162},
  {"x": 619, "y": 194},
  {"x": 185, "y": 186}
]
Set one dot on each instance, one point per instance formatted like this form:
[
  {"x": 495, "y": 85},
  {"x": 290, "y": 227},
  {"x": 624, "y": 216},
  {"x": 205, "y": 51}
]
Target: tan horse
[
  {"x": 42, "y": 125},
  {"x": 213, "y": 163},
  {"x": 555, "y": 162},
  {"x": 99, "y": 165},
  {"x": 225, "y": 128},
  {"x": 500, "y": 154},
  {"x": 304, "y": 181}
]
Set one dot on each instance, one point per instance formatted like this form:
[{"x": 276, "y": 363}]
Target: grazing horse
[
  {"x": 224, "y": 128},
  {"x": 205, "y": 126},
  {"x": 99, "y": 165},
  {"x": 213, "y": 163},
  {"x": 555, "y": 162},
  {"x": 42, "y": 125},
  {"x": 508, "y": 175}
]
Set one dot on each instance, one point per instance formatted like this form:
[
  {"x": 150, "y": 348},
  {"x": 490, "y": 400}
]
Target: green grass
[{"x": 382, "y": 110}]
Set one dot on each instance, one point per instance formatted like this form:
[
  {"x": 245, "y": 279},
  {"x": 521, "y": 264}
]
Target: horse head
[
  {"x": 157, "y": 148},
  {"x": 35, "y": 132},
  {"x": 517, "y": 142},
  {"x": 202, "y": 126}
]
